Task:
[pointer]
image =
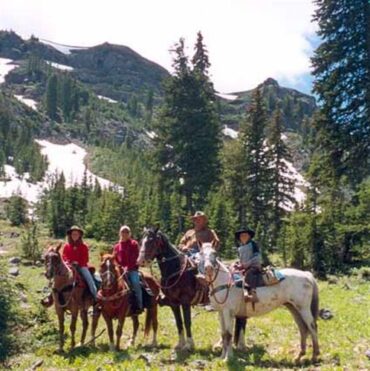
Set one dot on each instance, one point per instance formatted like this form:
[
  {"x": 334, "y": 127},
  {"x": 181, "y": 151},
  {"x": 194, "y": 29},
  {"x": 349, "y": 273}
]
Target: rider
[
  {"x": 250, "y": 260},
  {"x": 76, "y": 253},
  {"x": 200, "y": 233},
  {"x": 126, "y": 252}
]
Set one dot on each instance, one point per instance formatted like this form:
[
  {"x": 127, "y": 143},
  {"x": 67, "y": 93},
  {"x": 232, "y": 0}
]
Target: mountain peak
[{"x": 270, "y": 81}]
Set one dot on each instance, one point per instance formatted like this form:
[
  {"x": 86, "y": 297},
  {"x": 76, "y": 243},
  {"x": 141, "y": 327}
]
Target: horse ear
[
  {"x": 101, "y": 255},
  {"x": 156, "y": 229},
  {"x": 59, "y": 246}
]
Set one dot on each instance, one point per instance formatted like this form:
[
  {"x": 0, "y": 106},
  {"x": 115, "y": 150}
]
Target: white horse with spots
[{"x": 298, "y": 292}]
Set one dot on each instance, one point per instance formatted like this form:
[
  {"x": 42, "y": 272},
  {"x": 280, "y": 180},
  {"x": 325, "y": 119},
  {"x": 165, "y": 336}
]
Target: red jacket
[
  {"x": 127, "y": 253},
  {"x": 76, "y": 253}
]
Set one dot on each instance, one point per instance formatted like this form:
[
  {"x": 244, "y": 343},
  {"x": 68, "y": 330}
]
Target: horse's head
[
  {"x": 208, "y": 261},
  {"x": 152, "y": 243},
  {"x": 53, "y": 261},
  {"x": 108, "y": 270}
]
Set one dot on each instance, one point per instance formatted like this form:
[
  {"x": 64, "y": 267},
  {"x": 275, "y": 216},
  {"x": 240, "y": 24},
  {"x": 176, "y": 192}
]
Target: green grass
[{"x": 272, "y": 340}]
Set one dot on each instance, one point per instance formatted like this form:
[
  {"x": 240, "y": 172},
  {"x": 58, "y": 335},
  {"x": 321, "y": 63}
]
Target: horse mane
[{"x": 167, "y": 241}]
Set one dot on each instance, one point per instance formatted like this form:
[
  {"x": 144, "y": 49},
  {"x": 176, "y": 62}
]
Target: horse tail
[
  {"x": 315, "y": 300},
  {"x": 148, "y": 321}
]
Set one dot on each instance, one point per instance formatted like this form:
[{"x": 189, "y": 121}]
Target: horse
[
  {"x": 67, "y": 294},
  {"x": 178, "y": 281},
  {"x": 298, "y": 292},
  {"x": 114, "y": 302}
]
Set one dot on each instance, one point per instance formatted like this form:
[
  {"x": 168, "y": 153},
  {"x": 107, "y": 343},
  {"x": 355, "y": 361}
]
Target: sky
[{"x": 247, "y": 40}]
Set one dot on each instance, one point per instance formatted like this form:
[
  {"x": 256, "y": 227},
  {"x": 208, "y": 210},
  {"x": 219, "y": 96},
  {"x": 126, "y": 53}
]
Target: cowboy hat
[
  {"x": 244, "y": 230},
  {"x": 199, "y": 214},
  {"x": 75, "y": 228}
]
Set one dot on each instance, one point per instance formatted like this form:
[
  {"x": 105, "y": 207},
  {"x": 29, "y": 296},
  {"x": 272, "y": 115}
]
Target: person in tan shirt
[{"x": 200, "y": 233}]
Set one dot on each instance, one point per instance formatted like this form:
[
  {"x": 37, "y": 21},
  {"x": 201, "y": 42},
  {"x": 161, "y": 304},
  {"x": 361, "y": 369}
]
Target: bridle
[
  {"x": 53, "y": 271},
  {"x": 158, "y": 245},
  {"x": 111, "y": 275},
  {"x": 216, "y": 265}
]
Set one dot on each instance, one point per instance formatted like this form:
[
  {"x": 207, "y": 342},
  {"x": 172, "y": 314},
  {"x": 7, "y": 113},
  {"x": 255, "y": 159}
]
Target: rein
[
  {"x": 117, "y": 295},
  {"x": 217, "y": 289}
]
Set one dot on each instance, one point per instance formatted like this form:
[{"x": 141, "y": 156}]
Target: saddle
[
  {"x": 147, "y": 292},
  {"x": 268, "y": 276}
]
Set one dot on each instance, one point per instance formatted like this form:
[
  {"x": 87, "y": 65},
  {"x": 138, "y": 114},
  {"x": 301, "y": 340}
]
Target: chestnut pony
[
  {"x": 67, "y": 293},
  {"x": 114, "y": 303}
]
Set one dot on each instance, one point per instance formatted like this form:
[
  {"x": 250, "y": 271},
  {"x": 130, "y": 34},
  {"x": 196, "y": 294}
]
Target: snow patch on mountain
[
  {"x": 27, "y": 101},
  {"x": 59, "y": 66},
  {"x": 151, "y": 134},
  {"x": 227, "y": 96},
  {"x": 66, "y": 158},
  {"x": 110, "y": 100},
  {"x": 65, "y": 49},
  {"x": 6, "y": 65},
  {"x": 15, "y": 184},
  {"x": 230, "y": 132}
]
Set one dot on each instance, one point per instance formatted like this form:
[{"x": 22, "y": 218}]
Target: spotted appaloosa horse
[
  {"x": 298, "y": 292},
  {"x": 67, "y": 293},
  {"x": 114, "y": 302},
  {"x": 178, "y": 281}
]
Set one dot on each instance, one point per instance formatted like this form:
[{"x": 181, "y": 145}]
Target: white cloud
[{"x": 248, "y": 40}]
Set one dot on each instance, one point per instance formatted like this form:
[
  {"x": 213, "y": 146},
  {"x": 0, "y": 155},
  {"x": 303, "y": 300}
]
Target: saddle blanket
[{"x": 269, "y": 276}]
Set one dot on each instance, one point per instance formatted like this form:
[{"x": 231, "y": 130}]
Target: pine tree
[
  {"x": 16, "y": 210},
  {"x": 188, "y": 129},
  {"x": 52, "y": 97},
  {"x": 280, "y": 177},
  {"x": 342, "y": 82},
  {"x": 256, "y": 164}
]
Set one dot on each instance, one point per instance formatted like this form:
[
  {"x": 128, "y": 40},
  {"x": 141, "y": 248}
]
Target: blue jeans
[
  {"x": 89, "y": 280},
  {"x": 134, "y": 279}
]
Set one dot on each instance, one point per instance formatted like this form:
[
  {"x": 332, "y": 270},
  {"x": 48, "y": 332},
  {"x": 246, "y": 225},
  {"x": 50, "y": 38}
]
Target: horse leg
[
  {"x": 109, "y": 323},
  {"x": 186, "y": 310},
  {"x": 94, "y": 325},
  {"x": 239, "y": 333},
  {"x": 312, "y": 328},
  {"x": 303, "y": 330},
  {"x": 72, "y": 327},
  {"x": 135, "y": 327},
  {"x": 60, "y": 314},
  {"x": 85, "y": 325},
  {"x": 180, "y": 328},
  {"x": 227, "y": 335}
]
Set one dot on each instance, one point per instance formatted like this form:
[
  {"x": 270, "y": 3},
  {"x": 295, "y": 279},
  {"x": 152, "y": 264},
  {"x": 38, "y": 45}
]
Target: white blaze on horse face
[
  {"x": 141, "y": 258},
  {"x": 209, "y": 255}
]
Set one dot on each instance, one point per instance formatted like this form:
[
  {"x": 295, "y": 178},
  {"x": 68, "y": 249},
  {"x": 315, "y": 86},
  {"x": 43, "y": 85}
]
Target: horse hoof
[
  {"x": 153, "y": 344},
  {"x": 112, "y": 348},
  {"x": 242, "y": 348}
]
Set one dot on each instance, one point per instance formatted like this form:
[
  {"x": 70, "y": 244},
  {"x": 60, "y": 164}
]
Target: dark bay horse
[
  {"x": 114, "y": 301},
  {"x": 178, "y": 281},
  {"x": 67, "y": 293}
]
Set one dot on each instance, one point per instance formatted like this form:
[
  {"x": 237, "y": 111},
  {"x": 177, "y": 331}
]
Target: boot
[
  {"x": 47, "y": 301},
  {"x": 250, "y": 296}
]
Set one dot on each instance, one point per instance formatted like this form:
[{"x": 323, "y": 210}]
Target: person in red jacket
[
  {"x": 126, "y": 252},
  {"x": 76, "y": 253}
]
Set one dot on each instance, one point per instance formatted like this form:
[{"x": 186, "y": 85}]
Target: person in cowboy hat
[
  {"x": 76, "y": 253},
  {"x": 126, "y": 252},
  {"x": 250, "y": 261},
  {"x": 200, "y": 233}
]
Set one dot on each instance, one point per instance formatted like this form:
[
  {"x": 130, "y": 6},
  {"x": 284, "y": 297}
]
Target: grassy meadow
[{"x": 272, "y": 340}]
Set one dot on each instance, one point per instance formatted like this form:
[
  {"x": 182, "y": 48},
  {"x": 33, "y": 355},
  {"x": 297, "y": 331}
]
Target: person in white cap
[{"x": 126, "y": 252}]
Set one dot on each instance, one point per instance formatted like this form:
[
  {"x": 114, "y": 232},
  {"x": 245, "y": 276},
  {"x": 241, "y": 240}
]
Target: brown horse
[
  {"x": 179, "y": 282},
  {"x": 68, "y": 294},
  {"x": 114, "y": 302}
]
